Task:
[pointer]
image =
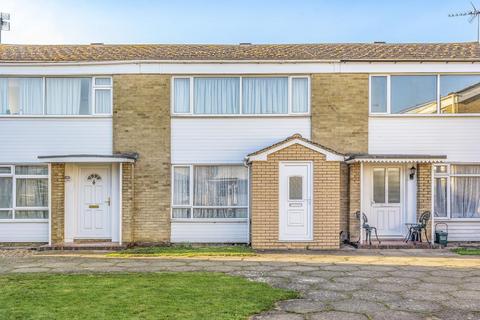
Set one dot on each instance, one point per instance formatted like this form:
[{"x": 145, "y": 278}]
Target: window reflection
[
  {"x": 379, "y": 94},
  {"x": 414, "y": 94},
  {"x": 460, "y": 94}
]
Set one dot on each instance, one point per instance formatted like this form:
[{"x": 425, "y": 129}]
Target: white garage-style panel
[
  {"x": 229, "y": 140},
  {"x": 24, "y": 139},
  {"x": 208, "y": 232},
  {"x": 24, "y": 232},
  {"x": 455, "y": 137}
]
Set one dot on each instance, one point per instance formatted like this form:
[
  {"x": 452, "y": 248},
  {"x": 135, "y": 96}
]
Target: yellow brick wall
[
  {"x": 141, "y": 123},
  {"x": 354, "y": 203},
  {"x": 340, "y": 111},
  {"x": 128, "y": 202},
  {"x": 344, "y": 200},
  {"x": 424, "y": 190},
  {"x": 57, "y": 180},
  {"x": 327, "y": 189}
]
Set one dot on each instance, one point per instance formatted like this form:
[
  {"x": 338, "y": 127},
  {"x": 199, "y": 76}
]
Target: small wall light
[{"x": 413, "y": 170}]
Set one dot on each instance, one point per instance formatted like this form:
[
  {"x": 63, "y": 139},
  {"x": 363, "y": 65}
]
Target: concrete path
[{"x": 362, "y": 284}]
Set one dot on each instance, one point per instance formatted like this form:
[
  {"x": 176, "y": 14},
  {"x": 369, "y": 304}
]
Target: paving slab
[
  {"x": 301, "y": 306},
  {"x": 337, "y": 315}
]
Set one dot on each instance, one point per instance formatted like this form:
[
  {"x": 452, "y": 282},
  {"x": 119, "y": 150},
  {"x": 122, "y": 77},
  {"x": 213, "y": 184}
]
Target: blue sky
[{"x": 217, "y": 21}]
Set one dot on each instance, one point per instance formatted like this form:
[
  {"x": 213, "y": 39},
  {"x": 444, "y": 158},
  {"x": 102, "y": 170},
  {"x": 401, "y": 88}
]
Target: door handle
[{"x": 108, "y": 201}]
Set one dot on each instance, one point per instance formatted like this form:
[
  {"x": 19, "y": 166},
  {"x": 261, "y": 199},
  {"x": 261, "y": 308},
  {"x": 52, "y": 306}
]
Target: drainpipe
[{"x": 249, "y": 233}]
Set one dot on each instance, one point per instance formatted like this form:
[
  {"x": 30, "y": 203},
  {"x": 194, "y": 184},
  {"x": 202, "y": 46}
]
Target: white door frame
[
  {"x": 367, "y": 198},
  {"x": 308, "y": 201},
  {"x": 78, "y": 200}
]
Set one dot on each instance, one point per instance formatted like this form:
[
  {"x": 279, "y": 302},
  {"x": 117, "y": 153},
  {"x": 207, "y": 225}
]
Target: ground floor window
[
  {"x": 23, "y": 192},
  {"x": 209, "y": 192},
  {"x": 457, "y": 191}
]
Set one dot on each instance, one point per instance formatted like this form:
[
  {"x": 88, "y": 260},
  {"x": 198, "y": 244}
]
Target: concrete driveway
[{"x": 362, "y": 284}]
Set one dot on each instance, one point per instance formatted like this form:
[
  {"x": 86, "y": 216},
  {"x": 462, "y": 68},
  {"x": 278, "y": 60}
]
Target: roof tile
[{"x": 467, "y": 51}]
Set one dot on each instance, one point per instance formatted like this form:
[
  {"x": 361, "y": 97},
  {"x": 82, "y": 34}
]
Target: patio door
[
  {"x": 386, "y": 212},
  {"x": 295, "y": 201}
]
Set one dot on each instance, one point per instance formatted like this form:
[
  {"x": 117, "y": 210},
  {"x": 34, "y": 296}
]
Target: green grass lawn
[
  {"x": 185, "y": 251},
  {"x": 467, "y": 251},
  {"x": 134, "y": 296}
]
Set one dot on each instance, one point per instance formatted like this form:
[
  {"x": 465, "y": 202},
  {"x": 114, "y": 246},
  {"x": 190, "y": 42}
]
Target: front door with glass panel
[
  {"x": 386, "y": 212},
  {"x": 295, "y": 201},
  {"x": 93, "y": 219}
]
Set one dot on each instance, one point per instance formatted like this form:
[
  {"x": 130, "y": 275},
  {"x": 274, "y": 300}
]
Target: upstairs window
[
  {"x": 460, "y": 94},
  {"x": 59, "y": 96},
  {"x": 413, "y": 94},
  {"x": 241, "y": 95},
  {"x": 216, "y": 96},
  {"x": 21, "y": 96},
  {"x": 265, "y": 95},
  {"x": 425, "y": 94}
]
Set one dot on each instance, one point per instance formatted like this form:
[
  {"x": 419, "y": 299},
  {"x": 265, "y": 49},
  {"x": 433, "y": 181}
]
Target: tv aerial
[{"x": 472, "y": 14}]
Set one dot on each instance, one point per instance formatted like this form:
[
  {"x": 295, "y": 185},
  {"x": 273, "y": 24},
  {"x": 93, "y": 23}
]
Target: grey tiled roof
[{"x": 467, "y": 51}]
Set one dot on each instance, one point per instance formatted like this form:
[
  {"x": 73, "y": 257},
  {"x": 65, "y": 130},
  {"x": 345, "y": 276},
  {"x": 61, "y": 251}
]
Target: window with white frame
[
  {"x": 209, "y": 192},
  {"x": 241, "y": 95},
  {"x": 67, "y": 96},
  {"x": 23, "y": 192},
  {"x": 456, "y": 191},
  {"x": 425, "y": 94}
]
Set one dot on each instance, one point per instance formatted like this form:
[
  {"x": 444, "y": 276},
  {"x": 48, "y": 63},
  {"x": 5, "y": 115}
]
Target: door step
[
  {"x": 104, "y": 245},
  {"x": 83, "y": 241},
  {"x": 396, "y": 244}
]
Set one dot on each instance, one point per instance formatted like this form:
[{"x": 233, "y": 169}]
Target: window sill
[
  {"x": 443, "y": 219},
  {"x": 54, "y": 116},
  {"x": 299, "y": 115},
  {"x": 23, "y": 220},
  {"x": 210, "y": 220},
  {"x": 434, "y": 115}
]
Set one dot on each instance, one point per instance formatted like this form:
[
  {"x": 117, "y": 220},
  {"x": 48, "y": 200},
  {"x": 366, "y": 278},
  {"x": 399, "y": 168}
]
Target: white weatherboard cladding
[
  {"x": 455, "y": 137},
  {"x": 210, "y": 232},
  {"x": 229, "y": 140},
  {"x": 461, "y": 230},
  {"x": 24, "y": 139},
  {"x": 23, "y": 231}
]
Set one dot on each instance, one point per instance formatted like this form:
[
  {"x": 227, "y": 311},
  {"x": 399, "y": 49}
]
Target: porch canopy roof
[
  {"x": 261, "y": 155},
  {"x": 396, "y": 158},
  {"x": 90, "y": 158}
]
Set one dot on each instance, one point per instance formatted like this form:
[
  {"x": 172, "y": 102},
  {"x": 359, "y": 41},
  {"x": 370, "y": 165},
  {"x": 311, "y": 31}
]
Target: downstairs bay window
[
  {"x": 209, "y": 192},
  {"x": 457, "y": 191},
  {"x": 23, "y": 192}
]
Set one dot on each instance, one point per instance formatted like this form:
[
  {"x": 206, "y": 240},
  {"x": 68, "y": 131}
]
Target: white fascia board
[
  {"x": 86, "y": 160},
  {"x": 232, "y": 67},
  {"x": 403, "y": 160},
  {"x": 330, "y": 156}
]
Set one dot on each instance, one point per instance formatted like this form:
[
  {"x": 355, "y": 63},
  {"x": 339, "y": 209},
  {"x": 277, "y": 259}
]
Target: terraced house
[{"x": 274, "y": 145}]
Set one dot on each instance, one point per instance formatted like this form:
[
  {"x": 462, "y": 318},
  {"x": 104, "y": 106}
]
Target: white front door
[
  {"x": 295, "y": 201},
  {"x": 386, "y": 212},
  {"x": 93, "y": 219}
]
